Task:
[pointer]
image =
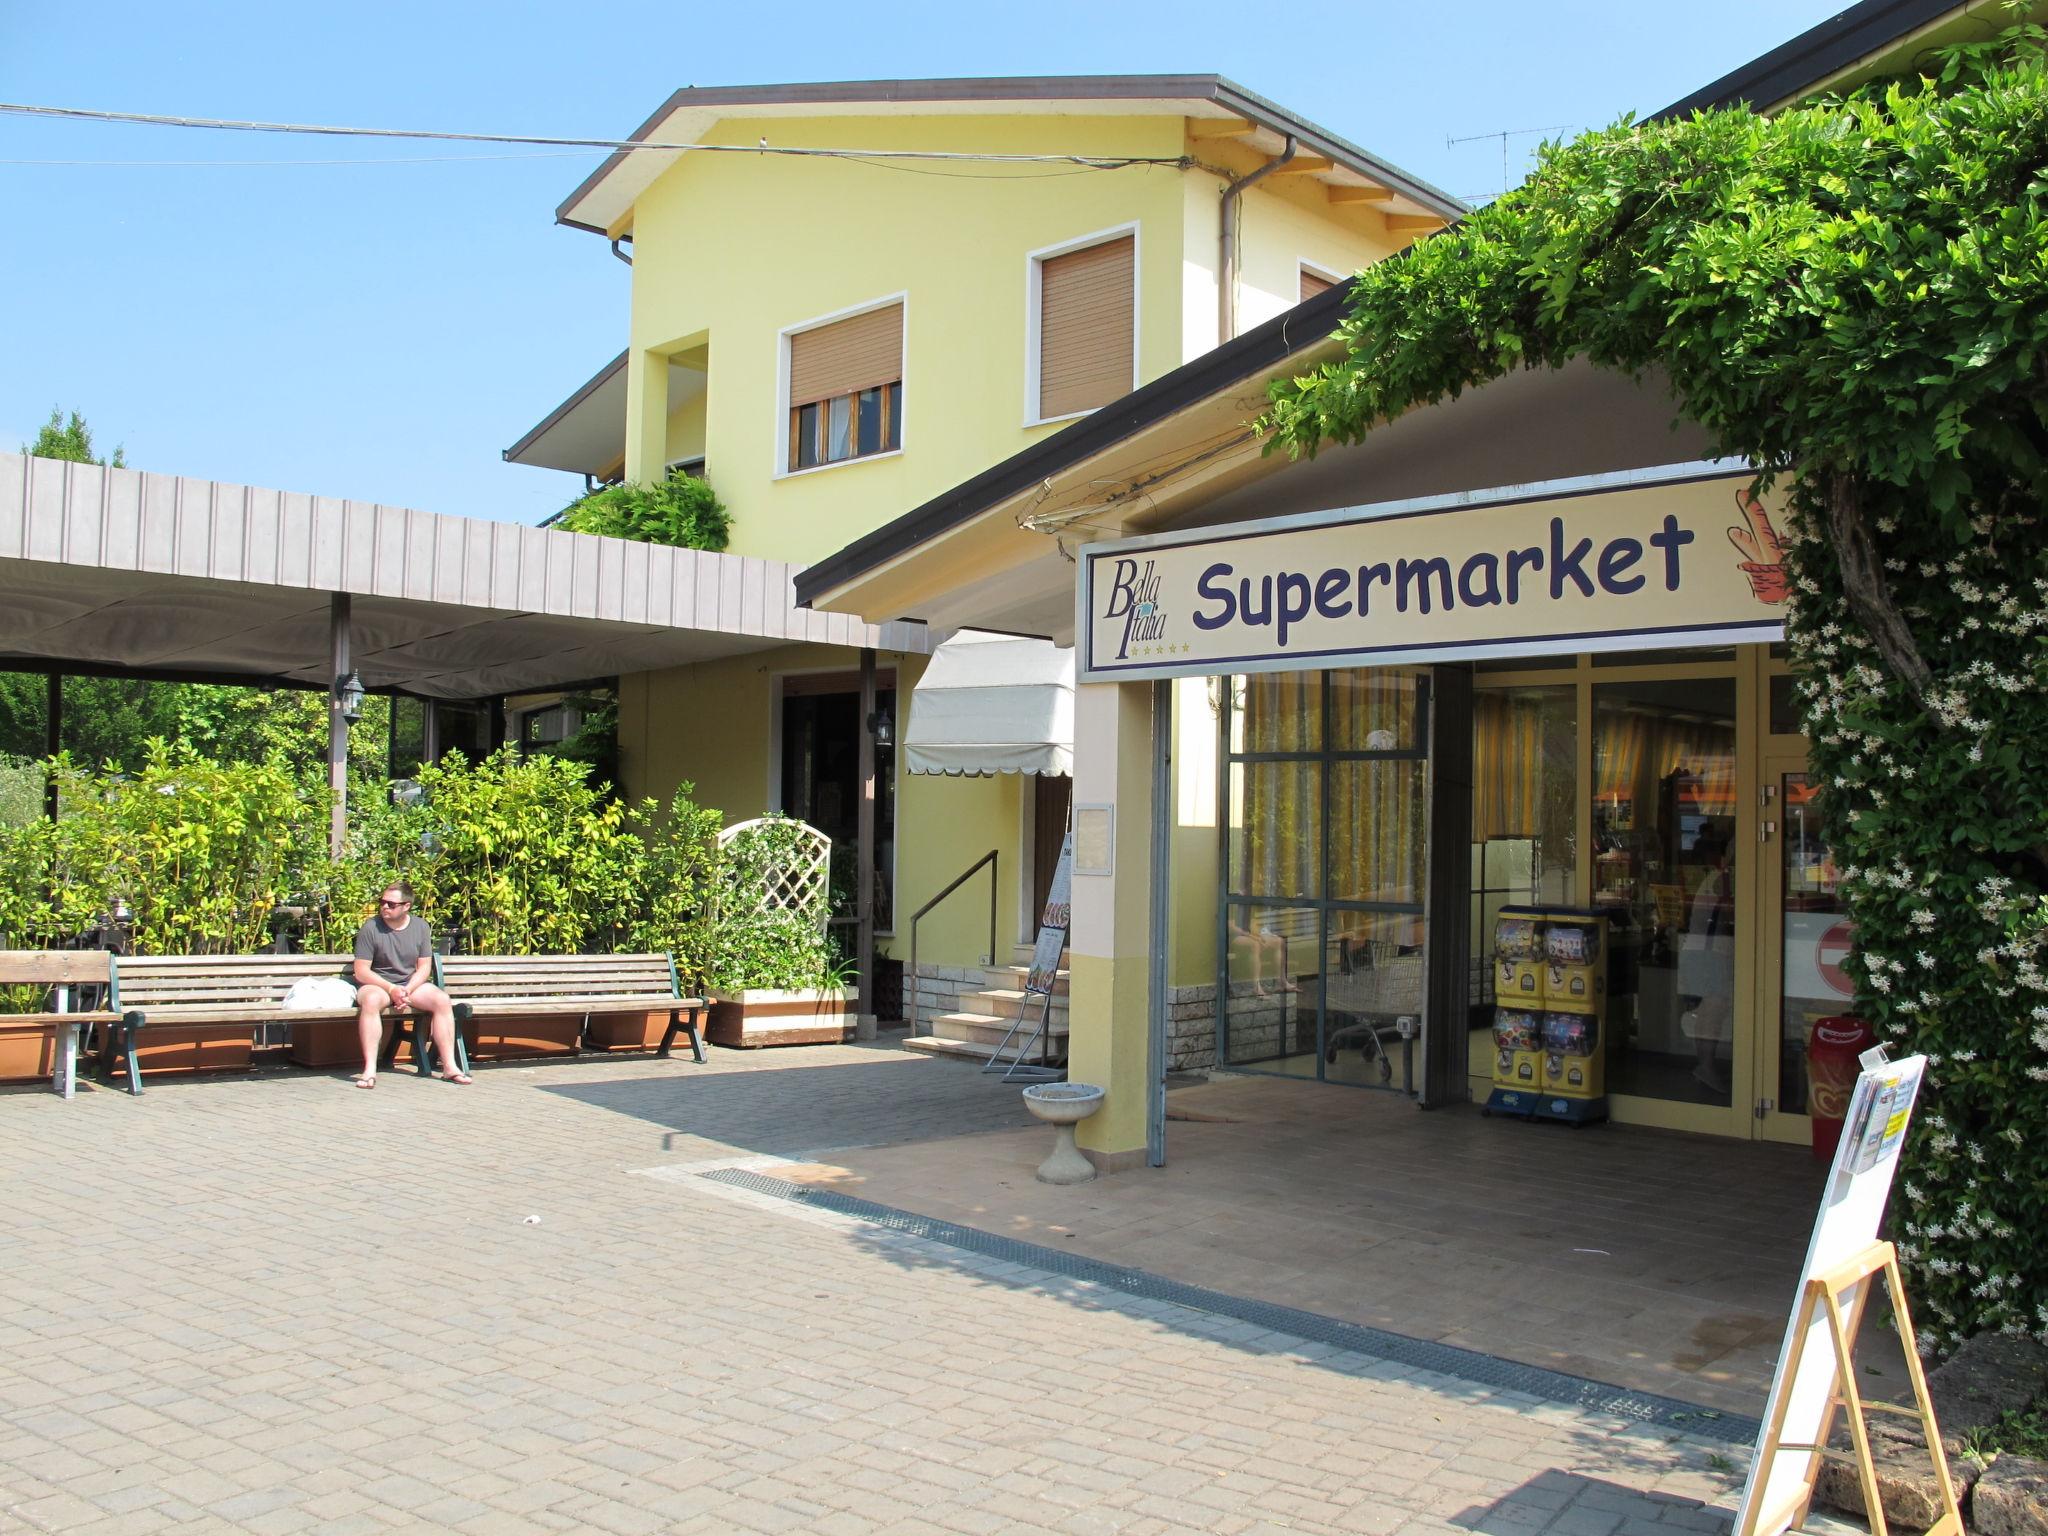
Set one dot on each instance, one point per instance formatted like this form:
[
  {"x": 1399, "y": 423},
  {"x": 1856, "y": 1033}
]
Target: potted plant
[
  {"x": 772, "y": 979},
  {"x": 680, "y": 871}
]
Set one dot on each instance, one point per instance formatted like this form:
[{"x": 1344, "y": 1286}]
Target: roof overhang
[
  {"x": 1876, "y": 37},
  {"x": 586, "y": 433},
  {"x": 604, "y": 202},
  {"x": 116, "y": 570}
]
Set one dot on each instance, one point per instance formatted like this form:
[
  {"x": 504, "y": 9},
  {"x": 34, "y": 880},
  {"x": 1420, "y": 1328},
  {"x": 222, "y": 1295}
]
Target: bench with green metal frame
[
  {"x": 577, "y": 986},
  {"x": 221, "y": 994},
  {"x": 58, "y": 974}
]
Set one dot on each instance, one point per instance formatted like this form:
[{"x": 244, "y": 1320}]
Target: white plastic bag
[{"x": 319, "y": 994}]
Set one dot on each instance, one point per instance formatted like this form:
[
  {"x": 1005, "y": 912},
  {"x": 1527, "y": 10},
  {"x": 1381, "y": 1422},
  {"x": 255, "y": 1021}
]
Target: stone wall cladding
[{"x": 939, "y": 988}]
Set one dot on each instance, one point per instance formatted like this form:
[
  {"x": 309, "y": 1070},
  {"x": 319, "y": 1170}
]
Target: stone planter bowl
[{"x": 1063, "y": 1106}]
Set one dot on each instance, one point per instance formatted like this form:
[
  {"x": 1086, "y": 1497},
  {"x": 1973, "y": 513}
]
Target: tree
[
  {"x": 1853, "y": 294},
  {"x": 68, "y": 439}
]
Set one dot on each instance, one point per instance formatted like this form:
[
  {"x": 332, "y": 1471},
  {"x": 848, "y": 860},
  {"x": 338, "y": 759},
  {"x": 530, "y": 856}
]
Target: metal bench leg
[
  {"x": 387, "y": 1054},
  {"x": 676, "y": 1026},
  {"x": 127, "y": 1048},
  {"x": 65, "y": 1078}
]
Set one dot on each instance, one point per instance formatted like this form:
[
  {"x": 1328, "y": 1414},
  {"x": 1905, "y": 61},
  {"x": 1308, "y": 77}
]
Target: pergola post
[
  {"x": 53, "y": 738},
  {"x": 430, "y": 731},
  {"x": 864, "y": 862},
  {"x": 337, "y": 724}
]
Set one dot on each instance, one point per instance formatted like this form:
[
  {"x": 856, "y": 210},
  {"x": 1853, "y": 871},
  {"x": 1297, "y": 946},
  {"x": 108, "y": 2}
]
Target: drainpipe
[
  {"x": 1226, "y": 268},
  {"x": 619, "y": 253}
]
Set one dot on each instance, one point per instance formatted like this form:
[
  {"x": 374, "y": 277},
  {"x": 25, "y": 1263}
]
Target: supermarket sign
[{"x": 1680, "y": 556}]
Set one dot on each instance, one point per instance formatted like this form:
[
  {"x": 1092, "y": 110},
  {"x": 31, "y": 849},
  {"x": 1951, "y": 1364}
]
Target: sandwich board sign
[{"x": 1809, "y": 1376}]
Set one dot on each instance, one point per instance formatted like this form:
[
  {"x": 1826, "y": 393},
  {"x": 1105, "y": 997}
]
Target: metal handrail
[{"x": 994, "y": 863}]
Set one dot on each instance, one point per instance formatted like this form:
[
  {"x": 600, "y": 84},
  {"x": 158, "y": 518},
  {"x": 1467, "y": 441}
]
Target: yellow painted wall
[
  {"x": 741, "y": 247},
  {"x": 714, "y": 724}
]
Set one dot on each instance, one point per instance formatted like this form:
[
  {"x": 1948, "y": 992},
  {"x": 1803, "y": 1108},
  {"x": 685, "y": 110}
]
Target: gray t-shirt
[{"x": 394, "y": 954}]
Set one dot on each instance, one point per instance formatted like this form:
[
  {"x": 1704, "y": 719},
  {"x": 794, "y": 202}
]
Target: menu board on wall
[{"x": 1053, "y": 920}]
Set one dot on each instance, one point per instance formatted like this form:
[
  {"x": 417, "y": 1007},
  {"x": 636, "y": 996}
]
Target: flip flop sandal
[
  {"x": 366, "y": 1079},
  {"x": 461, "y": 1079}
]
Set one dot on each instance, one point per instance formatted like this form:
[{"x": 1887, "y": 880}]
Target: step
[
  {"x": 1014, "y": 976},
  {"x": 934, "y": 1045},
  {"x": 986, "y": 1029},
  {"x": 1020, "y": 957},
  {"x": 1010, "y": 1003}
]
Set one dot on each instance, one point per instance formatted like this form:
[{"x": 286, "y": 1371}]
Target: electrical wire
[{"x": 234, "y": 125}]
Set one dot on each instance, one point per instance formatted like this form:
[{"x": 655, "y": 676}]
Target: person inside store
[
  {"x": 1265, "y": 953},
  {"x": 1706, "y": 960}
]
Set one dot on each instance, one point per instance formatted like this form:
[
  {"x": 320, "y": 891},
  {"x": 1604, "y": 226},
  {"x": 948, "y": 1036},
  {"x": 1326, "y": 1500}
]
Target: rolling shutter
[
  {"x": 860, "y": 352},
  {"x": 1313, "y": 283},
  {"x": 1085, "y": 356}
]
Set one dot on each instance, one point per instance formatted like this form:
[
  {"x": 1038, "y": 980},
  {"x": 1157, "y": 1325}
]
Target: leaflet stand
[{"x": 1826, "y": 1292}]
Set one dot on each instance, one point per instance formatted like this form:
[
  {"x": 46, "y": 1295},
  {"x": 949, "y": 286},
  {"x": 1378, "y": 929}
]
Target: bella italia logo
[{"x": 1134, "y": 598}]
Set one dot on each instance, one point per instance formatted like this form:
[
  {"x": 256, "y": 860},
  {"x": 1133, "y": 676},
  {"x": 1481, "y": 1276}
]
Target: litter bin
[{"x": 1831, "y": 1072}]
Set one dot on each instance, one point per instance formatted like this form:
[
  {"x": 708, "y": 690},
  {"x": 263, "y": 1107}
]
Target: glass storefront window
[
  {"x": 1664, "y": 869},
  {"x": 1376, "y": 711},
  {"x": 1379, "y": 831},
  {"x": 1325, "y": 856},
  {"x": 1525, "y": 787},
  {"x": 1788, "y": 709},
  {"x": 1276, "y": 828},
  {"x": 1273, "y": 983}
]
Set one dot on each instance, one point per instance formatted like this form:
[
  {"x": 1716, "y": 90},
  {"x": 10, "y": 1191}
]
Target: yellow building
[
  {"x": 1341, "y": 811},
  {"x": 847, "y": 298}
]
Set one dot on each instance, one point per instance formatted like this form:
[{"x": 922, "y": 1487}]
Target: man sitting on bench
[{"x": 394, "y": 958}]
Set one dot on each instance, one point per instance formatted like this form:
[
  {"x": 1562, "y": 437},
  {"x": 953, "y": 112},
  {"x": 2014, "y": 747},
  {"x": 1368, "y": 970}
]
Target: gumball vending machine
[
  {"x": 1575, "y": 1007},
  {"x": 1518, "y": 1011}
]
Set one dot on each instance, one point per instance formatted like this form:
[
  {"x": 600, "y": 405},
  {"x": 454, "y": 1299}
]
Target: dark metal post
[
  {"x": 337, "y": 727},
  {"x": 497, "y": 722},
  {"x": 864, "y": 861},
  {"x": 53, "y": 737},
  {"x": 430, "y": 730},
  {"x": 1160, "y": 875}
]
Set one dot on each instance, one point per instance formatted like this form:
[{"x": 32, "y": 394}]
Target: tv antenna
[{"x": 1504, "y": 134}]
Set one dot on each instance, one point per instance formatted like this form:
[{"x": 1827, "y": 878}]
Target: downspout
[
  {"x": 619, "y": 253},
  {"x": 1226, "y": 267}
]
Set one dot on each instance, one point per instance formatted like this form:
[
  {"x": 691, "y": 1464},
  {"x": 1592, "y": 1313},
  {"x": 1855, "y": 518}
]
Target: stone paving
[{"x": 279, "y": 1304}]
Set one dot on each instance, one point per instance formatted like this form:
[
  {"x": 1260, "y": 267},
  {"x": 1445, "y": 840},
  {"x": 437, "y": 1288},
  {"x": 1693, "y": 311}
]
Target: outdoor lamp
[
  {"x": 882, "y": 728},
  {"x": 348, "y": 695}
]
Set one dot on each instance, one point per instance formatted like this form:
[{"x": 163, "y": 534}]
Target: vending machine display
[{"x": 1550, "y": 997}]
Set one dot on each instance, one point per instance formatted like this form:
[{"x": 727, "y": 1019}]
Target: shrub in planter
[
  {"x": 771, "y": 975},
  {"x": 681, "y": 510}
]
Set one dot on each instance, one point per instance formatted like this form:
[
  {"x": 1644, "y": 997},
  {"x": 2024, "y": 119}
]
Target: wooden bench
[
  {"x": 574, "y": 988},
  {"x": 59, "y": 972},
  {"x": 221, "y": 995}
]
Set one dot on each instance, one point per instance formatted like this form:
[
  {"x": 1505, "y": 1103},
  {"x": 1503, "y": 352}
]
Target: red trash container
[{"x": 1831, "y": 1072}]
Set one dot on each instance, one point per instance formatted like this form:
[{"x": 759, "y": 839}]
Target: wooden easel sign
[{"x": 1816, "y": 1372}]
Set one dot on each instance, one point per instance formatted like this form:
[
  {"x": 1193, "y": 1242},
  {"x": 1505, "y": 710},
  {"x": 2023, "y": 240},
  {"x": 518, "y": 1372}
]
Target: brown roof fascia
[{"x": 1212, "y": 88}]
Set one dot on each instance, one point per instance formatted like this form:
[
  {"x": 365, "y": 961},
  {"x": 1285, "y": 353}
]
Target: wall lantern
[
  {"x": 348, "y": 698},
  {"x": 882, "y": 727}
]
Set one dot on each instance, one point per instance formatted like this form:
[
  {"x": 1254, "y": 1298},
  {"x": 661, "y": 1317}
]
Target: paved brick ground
[{"x": 280, "y": 1304}]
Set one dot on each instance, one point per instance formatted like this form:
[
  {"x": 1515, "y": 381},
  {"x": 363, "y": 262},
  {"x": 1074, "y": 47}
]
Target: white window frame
[
  {"x": 779, "y": 469},
  {"x": 1034, "y": 307},
  {"x": 1316, "y": 269}
]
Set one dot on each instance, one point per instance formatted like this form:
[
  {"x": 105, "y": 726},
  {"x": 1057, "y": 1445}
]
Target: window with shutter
[
  {"x": 1313, "y": 283},
  {"x": 846, "y": 388},
  {"x": 1087, "y": 348}
]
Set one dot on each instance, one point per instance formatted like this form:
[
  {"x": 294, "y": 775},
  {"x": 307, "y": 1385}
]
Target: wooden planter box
[
  {"x": 172, "y": 1051},
  {"x": 632, "y": 1031},
  {"x": 757, "y": 1017},
  {"x": 513, "y": 1036},
  {"x": 27, "y": 1054},
  {"x": 325, "y": 1043}
]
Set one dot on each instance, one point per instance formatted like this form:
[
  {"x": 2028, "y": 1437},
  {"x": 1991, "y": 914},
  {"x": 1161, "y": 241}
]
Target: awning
[{"x": 993, "y": 704}]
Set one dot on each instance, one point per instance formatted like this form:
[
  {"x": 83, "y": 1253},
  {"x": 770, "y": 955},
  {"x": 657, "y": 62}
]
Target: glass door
[{"x": 1807, "y": 934}]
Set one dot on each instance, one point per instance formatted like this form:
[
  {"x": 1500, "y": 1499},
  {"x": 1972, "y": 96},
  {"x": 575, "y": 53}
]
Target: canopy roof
[
  {"x": 113, "y": 569},
  {"x": 993, "y": 704}
]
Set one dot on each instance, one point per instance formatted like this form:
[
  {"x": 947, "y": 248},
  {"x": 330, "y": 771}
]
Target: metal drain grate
[{"x": 1356, "y": 1338}]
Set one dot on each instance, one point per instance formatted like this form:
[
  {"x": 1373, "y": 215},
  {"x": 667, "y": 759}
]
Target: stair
[{"x": 977, "y": 1029}]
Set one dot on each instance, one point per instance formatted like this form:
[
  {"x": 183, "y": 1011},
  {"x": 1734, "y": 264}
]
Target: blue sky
[{"x": 383, "y": 330}]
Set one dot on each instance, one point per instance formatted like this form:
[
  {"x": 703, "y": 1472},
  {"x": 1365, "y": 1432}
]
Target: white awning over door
[{"x": 993, "y": 704}]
